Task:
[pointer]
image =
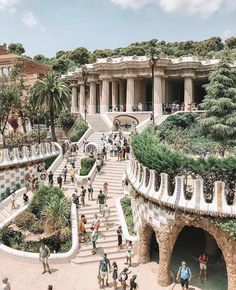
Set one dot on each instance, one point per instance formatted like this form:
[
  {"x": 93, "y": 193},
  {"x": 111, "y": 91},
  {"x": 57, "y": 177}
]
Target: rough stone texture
[{"x": 167, "y": 235}]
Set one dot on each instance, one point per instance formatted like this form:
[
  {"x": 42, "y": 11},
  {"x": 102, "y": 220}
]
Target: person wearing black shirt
[{"x": 101, "y": 200}]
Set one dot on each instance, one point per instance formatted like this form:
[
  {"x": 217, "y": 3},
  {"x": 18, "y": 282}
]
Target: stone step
[
  {"x": 100, "y": 251},
  {"x": 96, "y": 258}
]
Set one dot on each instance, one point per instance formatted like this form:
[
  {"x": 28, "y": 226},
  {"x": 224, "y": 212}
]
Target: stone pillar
[
  {"x": 130, "y": 94},
  {"x": 145, "y": 235},
  {"x": 188, "y": 92},
  {"x": 163, "y": 90},
  {"x": 105, "y": 96},
  {"x": 122, "y": 95},
  {"x": 114, "y": 95},
  {"x": 92, "y": 98},
  {"x": 82, "y": 99},
  {"x": 158, "y": 96},
  {"x": 74, "y": 98}
]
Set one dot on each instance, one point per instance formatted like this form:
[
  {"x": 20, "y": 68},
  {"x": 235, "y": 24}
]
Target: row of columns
[{"x": 126, "y": 97}]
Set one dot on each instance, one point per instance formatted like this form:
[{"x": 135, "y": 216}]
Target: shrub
[
  {"x": 78, "y": 131},
  {"x": 86, "y": 165},
  {"x": 24, "y": 220},
  {"x": 36, "y": 228},
  {"x": 66, "y": 120},
  {"x": 41, "y": 197},
  {"x": 126, "y": 206}
]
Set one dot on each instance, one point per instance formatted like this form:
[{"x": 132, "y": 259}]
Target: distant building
[{"x": 33, "y": 70}]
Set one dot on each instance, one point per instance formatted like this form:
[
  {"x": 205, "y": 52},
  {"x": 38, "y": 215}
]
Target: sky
[{"x": 46, "y": 26}]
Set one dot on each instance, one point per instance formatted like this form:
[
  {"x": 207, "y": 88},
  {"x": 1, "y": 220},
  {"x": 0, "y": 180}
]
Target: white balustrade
[
  {"x": 16, "y": 155},
  {"x": 5, "y": 157}
]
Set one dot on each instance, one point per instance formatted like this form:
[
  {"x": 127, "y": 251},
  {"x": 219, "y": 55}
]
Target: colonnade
[{"x": 124, "y": 93}]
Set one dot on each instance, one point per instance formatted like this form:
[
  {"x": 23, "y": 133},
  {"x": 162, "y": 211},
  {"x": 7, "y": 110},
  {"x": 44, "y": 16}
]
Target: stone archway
[
  {"x": 167, "y": 237},
  {"x": 146, "y": 234}
]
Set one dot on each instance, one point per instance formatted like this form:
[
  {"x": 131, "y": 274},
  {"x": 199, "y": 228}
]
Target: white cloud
[
  {"x": 8, "y": 5},
  {"x": 204, "y": 8},
  {"x": 29, "y": 19}
]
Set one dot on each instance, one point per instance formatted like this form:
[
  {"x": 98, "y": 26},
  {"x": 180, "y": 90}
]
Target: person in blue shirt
[{"x": 184, "y": 274}]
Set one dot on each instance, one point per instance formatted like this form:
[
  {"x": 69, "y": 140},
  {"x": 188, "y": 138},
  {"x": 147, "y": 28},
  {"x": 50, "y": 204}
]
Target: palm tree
[{"x": 50, "y": 94}]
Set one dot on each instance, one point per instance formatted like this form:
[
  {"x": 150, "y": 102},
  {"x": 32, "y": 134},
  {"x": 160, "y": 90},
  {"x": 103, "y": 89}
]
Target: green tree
[
  {"x": 9, "y": 95},
  {"x": 16, "y": 48},
  {"x": 80, "y": 56},
  {"x": 41, "y": 58},
  {"x": 65, "y": 120},
  {"x": 50, "y": 94},
  {"x": 219, "y": 120},
  {"x": 231, "y": 42}
]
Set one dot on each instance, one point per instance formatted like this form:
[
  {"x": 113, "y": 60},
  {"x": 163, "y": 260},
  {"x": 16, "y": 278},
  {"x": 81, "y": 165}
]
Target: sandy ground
[{"x": 24, "y": 276}]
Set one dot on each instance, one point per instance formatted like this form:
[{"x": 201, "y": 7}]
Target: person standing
[
  {"x": 5, "y": 284},
  {"x": 59, "y": 181},
  {"x": 119, "y": 238},
  {"x": 50, "y": 287},
  {"x": 101, "y": 200},
  {"x": 44, "y": 254},
  {"x": 203, "y": 260},
  {"x": 90, "y": 189},
  {"x": 127, "y": 151},
  {"x": 50, "y": 178},
  {"x": 96, "y": 222},
  {"x": 114, "y": 275},
  {"x": 132, "y": 283},
  {"x": 94, "y": 237},
  {"x": 106, "y": 214},
  {"x": 13, "y": 201},
  {"x": 25, "y": 198},
  {"x": 82, "y": 196},
  {"x": 104, "y": 268},
  {"x": 64, "y": 173},
  {"x": 184, "y": 274},
  {"x": 82, "y": 229},
  {"x": 72, "y": 174},
  {"x": 129, "y": 249},
  {"x": 105, "y": 189},
  {"x": 99, "y": 165},
  {"x": 123, "y": 277}
]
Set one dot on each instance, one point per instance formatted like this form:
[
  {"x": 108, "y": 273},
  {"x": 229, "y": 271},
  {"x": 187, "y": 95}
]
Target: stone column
[
  {"x": 92, "y": 98},
  {"x": 158, "y": 96},
  {"x": 105, "y": 96},
  {"x": 188, "y": 92},
  {"x": 114, "y": 95},
  {"x": 82, "y": 98},
  {"x": 122, "y": 94},
  {"x": 130, "y": 94},
  {"x": 74, "y": 98},
  {"x": 163, "y": 91}
]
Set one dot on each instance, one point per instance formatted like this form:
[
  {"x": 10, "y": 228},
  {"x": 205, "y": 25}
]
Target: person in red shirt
[{"x": 203, "y": 260}]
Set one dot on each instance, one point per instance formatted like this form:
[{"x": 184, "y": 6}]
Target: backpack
[
  {"x": 121, "y": 278},
  {"x": 180, "y": 269}
]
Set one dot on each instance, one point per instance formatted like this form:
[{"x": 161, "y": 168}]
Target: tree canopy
[
  {"x": 16, "y": 48},
  {"x": 219, "y": 120}
]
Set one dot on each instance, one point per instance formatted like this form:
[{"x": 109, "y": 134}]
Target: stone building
[
  {"x": 120, "y": 84},
  {"x": 33, "y": 70}
]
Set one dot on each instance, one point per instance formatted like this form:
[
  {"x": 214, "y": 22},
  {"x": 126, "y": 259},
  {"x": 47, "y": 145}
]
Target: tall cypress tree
[{"x": 219, "y": 119}]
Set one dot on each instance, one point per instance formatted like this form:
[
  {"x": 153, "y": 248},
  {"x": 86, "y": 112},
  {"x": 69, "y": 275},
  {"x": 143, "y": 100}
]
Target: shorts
[
  {"x": 184, "y": 282},
  {"x": 203, "y": 266},
  {"x": 104, "y": 274},
  {"x": 128, "y": 254},
  {"x": 44, "y": 260},
  {"x": 101, "y": 205}
]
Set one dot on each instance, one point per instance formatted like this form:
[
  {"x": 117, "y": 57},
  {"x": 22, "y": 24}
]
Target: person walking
[
  {"x": 96, "y": 222},
  {"x": 64, "y": 173},
  {"x": 104, "y": 268},
  {"x": 129, "y": 249},
  {"x": 25, "y": 198},
  {"x": 127, "y": 151},
  {"x": 101, "y": 200},
  {"x": 59, "y": 181},
  {"x": 99, "y": 165},
  {"x": 184, "y": 274},
  {"x": 5, "y": 284},
  {"x": 13, "y": 201},
  {"x": 94, "y": 238},
  {"x": 50, "y": 178},
  {"x": 90, "y": 189},
  {"x": 44, "y": 254},
  {"x": 106, "y": 214},
  {"x": 105, "y": 189},
  {"x": 203, "y": 260},
  {"x": 114, "y": 275},
  {"x": 119, "y": 238}
]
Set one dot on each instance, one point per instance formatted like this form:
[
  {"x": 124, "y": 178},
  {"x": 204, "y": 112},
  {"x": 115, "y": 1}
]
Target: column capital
[{"x": 73, "y": 84}]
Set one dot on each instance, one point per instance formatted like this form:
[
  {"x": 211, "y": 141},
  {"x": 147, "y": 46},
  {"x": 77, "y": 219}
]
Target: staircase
[
  {"x": 5, "y": 209},
  {"x": 112, "y": 172},
  {"x": 97, "y": 123}
]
